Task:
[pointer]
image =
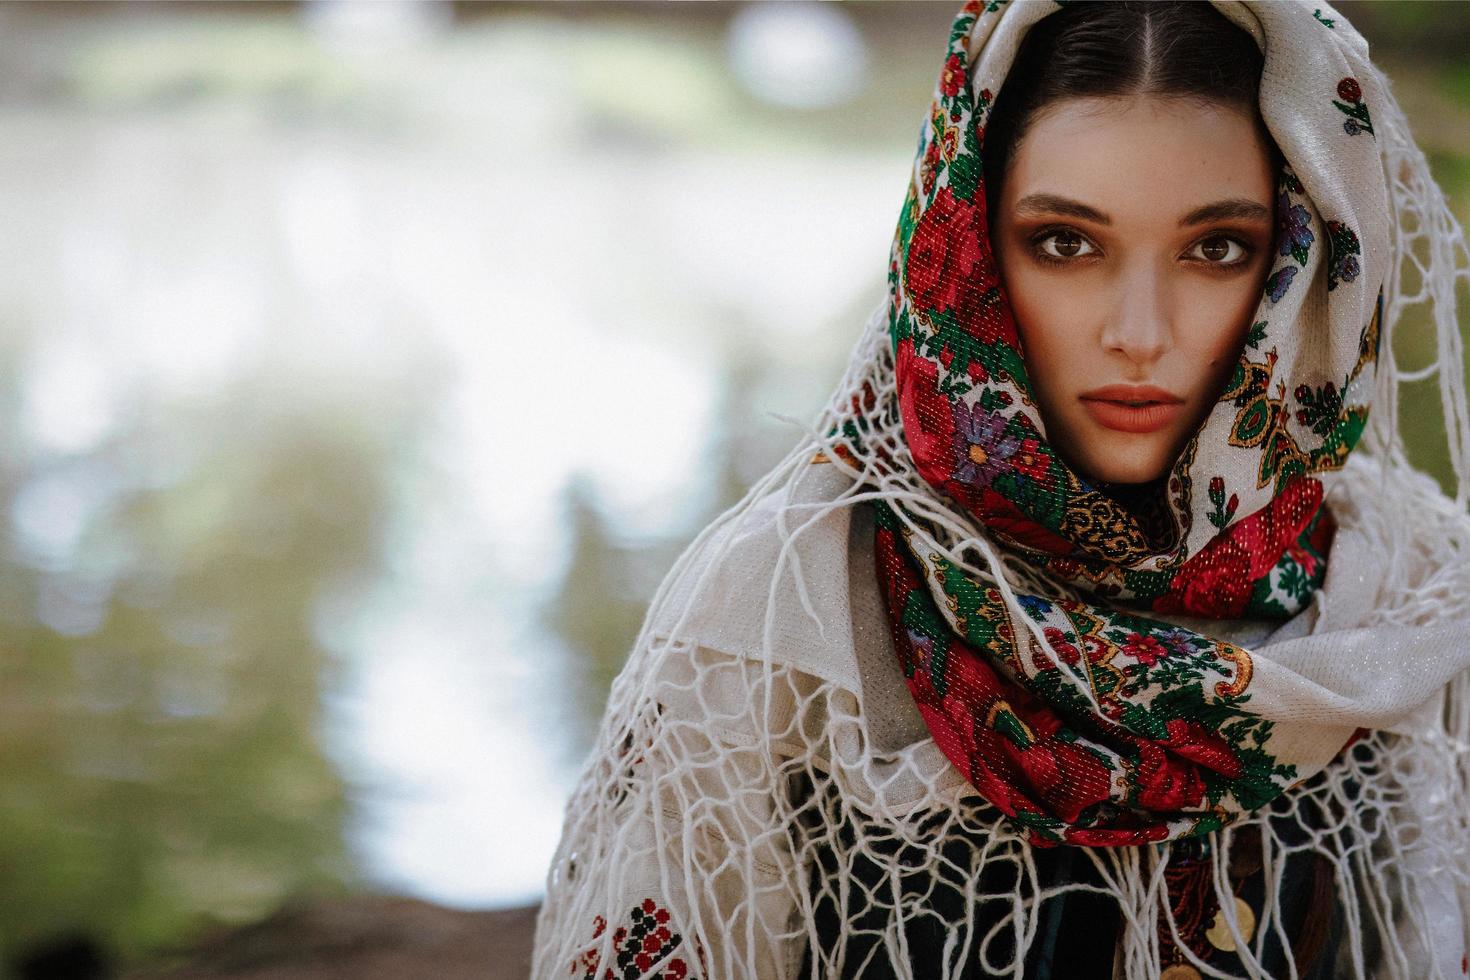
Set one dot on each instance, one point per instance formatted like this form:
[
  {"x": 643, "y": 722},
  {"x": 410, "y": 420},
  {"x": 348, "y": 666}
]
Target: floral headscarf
[{"x": 1121, "y": 728}]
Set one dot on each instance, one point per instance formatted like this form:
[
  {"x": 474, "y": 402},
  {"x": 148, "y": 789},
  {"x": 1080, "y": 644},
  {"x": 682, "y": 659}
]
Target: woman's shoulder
[
  {"x": 722, "y": 590},
  {"x": 843, "y": 648}
]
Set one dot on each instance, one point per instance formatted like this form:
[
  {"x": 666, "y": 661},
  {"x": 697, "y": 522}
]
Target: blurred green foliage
[{"x": 165, "y": 770}]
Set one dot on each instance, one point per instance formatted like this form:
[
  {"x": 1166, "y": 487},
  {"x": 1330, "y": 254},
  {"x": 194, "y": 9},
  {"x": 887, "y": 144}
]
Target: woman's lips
[{"x": 1132, "y": 408}]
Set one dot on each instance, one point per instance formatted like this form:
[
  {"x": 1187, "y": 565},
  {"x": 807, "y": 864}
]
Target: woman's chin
[{"x": 1122, "y": 458}]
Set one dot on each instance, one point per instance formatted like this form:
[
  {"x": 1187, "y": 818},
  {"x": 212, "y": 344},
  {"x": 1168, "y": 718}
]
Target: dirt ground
[{"x": 366, "y": 938}]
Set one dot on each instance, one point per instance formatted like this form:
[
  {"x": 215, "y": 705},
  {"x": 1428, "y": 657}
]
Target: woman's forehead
[{"x": 1140, "y": 157}]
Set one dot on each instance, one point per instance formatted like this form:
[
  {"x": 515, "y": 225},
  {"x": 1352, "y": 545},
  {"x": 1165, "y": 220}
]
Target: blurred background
[{"x": 365, "y": 367}]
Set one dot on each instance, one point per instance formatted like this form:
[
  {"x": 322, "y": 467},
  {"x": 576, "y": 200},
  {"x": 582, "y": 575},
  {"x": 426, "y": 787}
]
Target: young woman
[{"x": 1097, "y": 629}]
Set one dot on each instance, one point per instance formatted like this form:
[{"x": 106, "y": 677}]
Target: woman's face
[{"x": 1134, "y": 240}]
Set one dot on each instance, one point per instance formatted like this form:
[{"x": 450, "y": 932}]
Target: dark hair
[{"x": 1182, "y": 49}]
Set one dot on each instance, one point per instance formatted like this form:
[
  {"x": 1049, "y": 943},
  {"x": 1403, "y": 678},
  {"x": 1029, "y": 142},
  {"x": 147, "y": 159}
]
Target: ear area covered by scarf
[{"x": 1072, "y": 710}]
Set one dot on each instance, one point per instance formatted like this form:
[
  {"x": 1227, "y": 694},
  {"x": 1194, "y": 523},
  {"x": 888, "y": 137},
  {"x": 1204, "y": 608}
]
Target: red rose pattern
[
  {"x": 952, "y": 78},
  {"x": 943, "y": 251},
  {"x": 1063, "y": 776},
  {"x": 1195, "y": 742},
  {"x": 927, "y": 417},
  {"x": 1004, "y": 518},
  {"x": 1218, "y": 581},
  {"x": 1145, "y": 649},
  {"x": 1165, "y": 782}
]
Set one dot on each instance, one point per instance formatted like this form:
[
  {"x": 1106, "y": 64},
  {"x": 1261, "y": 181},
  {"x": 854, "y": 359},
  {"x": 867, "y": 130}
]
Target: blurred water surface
[{"x": 365, "y": 366}]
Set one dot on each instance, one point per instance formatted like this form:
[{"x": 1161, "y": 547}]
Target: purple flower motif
[
  {"x": 1296, "y": 230},
  {"x": 1351, "y": 127},
  {"x": 923, "y": 646},
  {"x": 1279, "y": 281},
  {"x": 924, "y": 661},
  {"x": 982, "y": 448},
  {"x": 1177, "y": 641},
  {"x": 1348, "y": 270}
]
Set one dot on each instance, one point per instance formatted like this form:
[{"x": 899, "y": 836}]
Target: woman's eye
[
  {"x": 1221, "y": 251},
  {"x": 1064, "y": 245}
]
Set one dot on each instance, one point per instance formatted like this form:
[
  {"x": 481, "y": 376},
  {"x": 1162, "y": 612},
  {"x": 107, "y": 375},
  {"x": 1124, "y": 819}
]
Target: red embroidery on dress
[{"x": 638, "y": 946}]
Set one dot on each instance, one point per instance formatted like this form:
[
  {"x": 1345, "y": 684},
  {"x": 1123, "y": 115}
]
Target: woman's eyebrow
[
  {"x": 1239, "y": 208},
  {"x": 1235, "y": 209},
  {"x": 1041, "y": 203}
]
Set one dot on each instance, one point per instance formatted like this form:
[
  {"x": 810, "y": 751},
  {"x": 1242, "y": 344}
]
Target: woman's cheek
[
  {"x": 1217, "y": 350},
  {"x": 1055, "y": 345}
]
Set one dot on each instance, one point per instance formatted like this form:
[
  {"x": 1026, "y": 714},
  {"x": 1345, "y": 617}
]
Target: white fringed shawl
[{"x": 764, "y": 664}]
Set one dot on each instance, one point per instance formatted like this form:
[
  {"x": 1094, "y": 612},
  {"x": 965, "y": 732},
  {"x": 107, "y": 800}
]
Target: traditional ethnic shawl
[
  {"x": 1092, "y": 723},
  {"x": 1283, "y": 630}
]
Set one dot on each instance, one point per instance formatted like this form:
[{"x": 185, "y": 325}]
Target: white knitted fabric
[{"x": 762, "y": 715}]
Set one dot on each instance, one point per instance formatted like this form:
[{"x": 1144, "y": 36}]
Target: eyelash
[{"x": 1246, "y": 249}]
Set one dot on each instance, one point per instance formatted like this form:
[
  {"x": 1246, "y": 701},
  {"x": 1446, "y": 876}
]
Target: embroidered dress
[{"x": 926, "y": 702}]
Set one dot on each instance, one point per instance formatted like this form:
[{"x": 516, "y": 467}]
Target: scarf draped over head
[{"x": 1058, "y": 696}]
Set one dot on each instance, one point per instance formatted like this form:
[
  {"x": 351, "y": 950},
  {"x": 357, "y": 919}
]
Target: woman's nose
[{"x": 1140, "y": 327}]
